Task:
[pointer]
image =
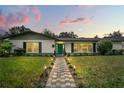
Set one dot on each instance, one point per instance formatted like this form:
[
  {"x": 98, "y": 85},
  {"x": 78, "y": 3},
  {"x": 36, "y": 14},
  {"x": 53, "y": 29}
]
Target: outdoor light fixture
[
  {"x": 45, "y": 67},
  {"x": 74, "y": 67},
  {"x": 51, "y": 59}
]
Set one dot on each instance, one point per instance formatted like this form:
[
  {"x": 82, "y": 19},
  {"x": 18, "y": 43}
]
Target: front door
[{"x": 59, "y": 49}]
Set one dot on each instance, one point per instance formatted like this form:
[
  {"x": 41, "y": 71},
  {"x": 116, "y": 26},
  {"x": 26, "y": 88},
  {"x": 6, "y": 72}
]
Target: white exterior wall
[
  {"x": 68, "y": 47},
  {"x": 46, "y": 45},
  {"x": 117, "y": 45}
]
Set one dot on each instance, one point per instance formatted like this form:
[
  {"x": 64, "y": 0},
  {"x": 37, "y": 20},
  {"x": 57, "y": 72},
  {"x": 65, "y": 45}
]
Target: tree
[
  {"x": 96, "y": 36},
  {"x": 0, "y": 36},
  {"x": 48, "y": 33},
  {"x": 6, "y": 34},
  {"x": 116, "y": 34},
  {"x": 104, "y": 46},
  {"x": 18, "y": 29},
  {"x": 67, "y": 35}
]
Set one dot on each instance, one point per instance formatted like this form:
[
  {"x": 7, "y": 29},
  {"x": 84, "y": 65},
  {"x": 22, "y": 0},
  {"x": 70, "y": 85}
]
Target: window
[
  {"x": 83, "y": 47},
  {"x": 32, "y": 47}
]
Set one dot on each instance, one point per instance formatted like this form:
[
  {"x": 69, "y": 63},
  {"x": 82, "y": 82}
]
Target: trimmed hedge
[
  {"x": 115, "y": 52},
  {"x": 19, "y": 51}
]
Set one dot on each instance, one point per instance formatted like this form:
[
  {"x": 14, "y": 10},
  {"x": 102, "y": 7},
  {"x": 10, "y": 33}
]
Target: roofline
[
  {"x": 80, "y": 39},
  {"x": 27, "y": 33},
  {"x": 69, "y": 39}
]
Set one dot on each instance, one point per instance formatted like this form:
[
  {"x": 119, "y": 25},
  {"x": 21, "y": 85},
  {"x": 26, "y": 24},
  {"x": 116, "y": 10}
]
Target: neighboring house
[{"x": 34, "y": 42}]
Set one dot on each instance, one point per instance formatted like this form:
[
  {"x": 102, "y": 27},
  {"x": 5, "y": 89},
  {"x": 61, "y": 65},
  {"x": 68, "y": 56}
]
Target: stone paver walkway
[{"x": 60, "y": 76}]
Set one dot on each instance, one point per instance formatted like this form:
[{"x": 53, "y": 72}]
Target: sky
[{"x": 83, "y": 20}]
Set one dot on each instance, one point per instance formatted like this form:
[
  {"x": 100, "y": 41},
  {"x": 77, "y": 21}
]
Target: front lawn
[
  {"x": 21, "y": 71},
  {"x": 99, "y": 71}
]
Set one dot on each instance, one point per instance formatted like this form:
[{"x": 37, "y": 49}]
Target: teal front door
[{"x": 60, "y": 49}]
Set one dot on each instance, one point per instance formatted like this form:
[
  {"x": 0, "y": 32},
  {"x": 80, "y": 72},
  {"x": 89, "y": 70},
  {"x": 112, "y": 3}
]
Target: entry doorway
[{"x": 60, "y": 47}]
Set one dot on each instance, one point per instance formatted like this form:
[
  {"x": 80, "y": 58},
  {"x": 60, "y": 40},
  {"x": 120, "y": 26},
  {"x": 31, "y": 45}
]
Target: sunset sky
[{"x": 86, "y": 21}]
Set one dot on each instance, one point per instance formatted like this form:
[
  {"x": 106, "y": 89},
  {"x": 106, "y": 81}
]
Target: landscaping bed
[
  {"x": 24, "y": 71},
  {"x": 98, "y": 71}
]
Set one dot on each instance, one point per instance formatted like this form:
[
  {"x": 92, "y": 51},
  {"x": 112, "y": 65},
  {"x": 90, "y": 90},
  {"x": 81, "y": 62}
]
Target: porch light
[
  {"x": 60, "y": 42},
  {"x": 45, "y": 67}
]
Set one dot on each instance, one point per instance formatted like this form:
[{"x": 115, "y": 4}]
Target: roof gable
[{"x": 30, "y": 36}]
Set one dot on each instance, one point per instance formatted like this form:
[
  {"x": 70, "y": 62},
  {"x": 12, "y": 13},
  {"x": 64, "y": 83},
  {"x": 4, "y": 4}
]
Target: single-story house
[{"x": 34, "y": 42}]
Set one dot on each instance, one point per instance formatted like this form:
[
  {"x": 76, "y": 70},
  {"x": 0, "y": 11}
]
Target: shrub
[
  {"x": 115, "y": 52},
  {"x": 70, "y": 66},
  {"x": 50, "y": 67},
  {"x": 19, "y": 51},
  {"x": 52, "y": 63},
  {"x": 121, "y": 51},
  {"x": 68, "y": 63},
  {"x": 104, "y": 46},
  {"x": 110, "y": 53},
  {"x": 5, "y": 48},
  {"x": 118, "y": 52},
  {"x": 68, "y": 54},
  {"x": 1, "y": 52}
]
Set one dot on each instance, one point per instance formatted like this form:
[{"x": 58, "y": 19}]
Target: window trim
[
  {"x": 86, "y": 45},
  {"x": 32, "y": 52}
]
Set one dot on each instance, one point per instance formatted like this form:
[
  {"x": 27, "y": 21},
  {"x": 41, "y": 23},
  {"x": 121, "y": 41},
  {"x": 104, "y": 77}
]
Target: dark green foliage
[
  {"x": 50, "y": 67},
  {"x": 19, "y": 52},
  {"x": 104, "y": 46},
  {"x": 52, "y": 63},
  {"x": 118, "y": 52},
  {"x": 68, "y": 35},
  {"x": 48, "y": 33},
  {"x": 5, "y": 48},
  {"x": 96, "y": 36},
  {"x": 70, "y": 66},
  {"x": 115, "y": 52},
  {"x": 116, "y": 34},
  {"x": 18, "y": 29}
]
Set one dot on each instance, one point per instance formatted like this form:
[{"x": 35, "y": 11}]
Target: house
[{"x": 34, "y": 42}]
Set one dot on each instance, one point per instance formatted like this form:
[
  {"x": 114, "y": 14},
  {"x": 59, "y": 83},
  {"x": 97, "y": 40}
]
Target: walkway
[{"x": 60, "y": 76}]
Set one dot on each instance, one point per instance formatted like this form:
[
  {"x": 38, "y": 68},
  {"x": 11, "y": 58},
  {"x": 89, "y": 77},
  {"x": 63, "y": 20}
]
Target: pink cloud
[
  {"x": 21, "y": 17},
  {"x": 37, "y": 13},
  {"x": 2, "y": 20},
  {"x": 38, "y": 17},
  {"x": 84, "y": 20},
  {"x": 6, "y": 21},
  {"x": 25, "y": 19}
]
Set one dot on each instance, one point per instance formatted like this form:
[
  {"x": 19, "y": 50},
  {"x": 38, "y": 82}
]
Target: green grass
[
  {"x": 99, "y": 71},
  {"x": 21, "y": 71}
]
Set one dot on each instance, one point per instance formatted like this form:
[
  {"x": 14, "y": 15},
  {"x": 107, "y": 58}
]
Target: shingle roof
[
  {"x": 71, "y": 39},
  {"x": 11, "y": 36},
  {"x": 92, "y": 39},
  {"x": 80, "y": 39},
  {"x": 121, "y": 39}
]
